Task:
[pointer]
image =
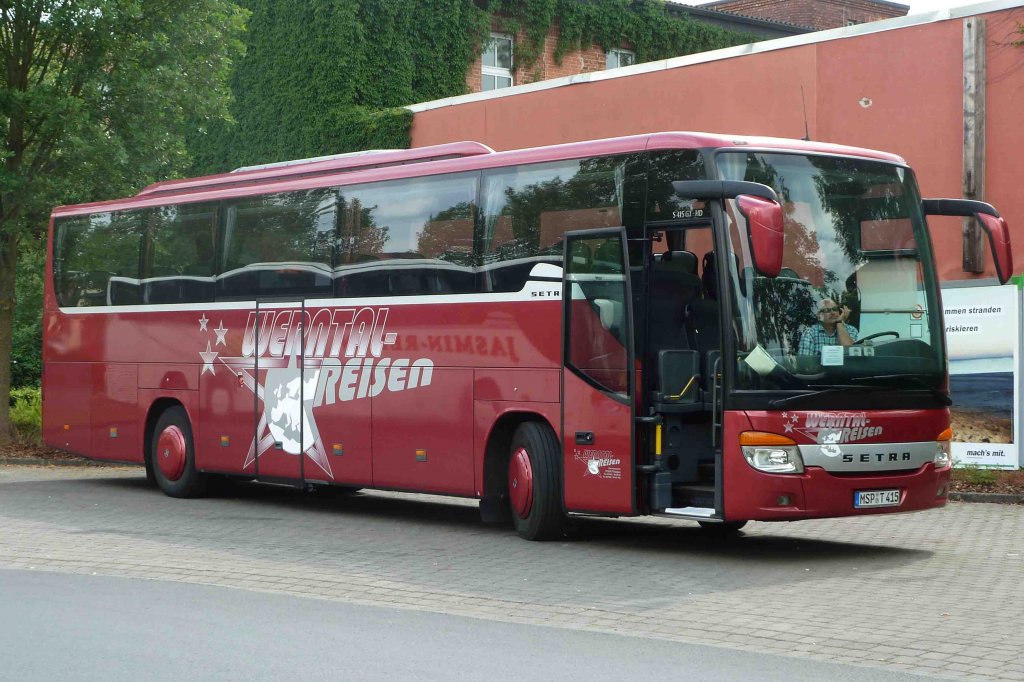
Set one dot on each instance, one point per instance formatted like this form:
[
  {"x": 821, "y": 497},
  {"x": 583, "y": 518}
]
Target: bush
[{"x": 27, "y": 414}]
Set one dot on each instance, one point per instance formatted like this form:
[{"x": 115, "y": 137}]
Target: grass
[
  {"x": 975, "y": 475},
  {"x": 27, "y": 415},
  {"x": 992, "y": 480}
]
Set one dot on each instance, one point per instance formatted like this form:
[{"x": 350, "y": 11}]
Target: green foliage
[
  {"x": 329, "y": 76},
  {"x": 101, "y": 104},
  {"x": 364, "y": 128},
  {"x": 27, "y": 414},
  {"x": 973, "y": 475},
  {"x": 27, "y": 343},
  {"x": 95, "y": 99},
  {"x": 645, "y": 26}
]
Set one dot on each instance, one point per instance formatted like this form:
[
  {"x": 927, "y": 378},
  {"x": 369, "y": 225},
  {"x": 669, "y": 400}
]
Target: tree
[{"x": 95, "y": 100}]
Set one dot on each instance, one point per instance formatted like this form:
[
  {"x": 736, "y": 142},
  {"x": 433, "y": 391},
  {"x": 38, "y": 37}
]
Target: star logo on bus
[
  {"x": 208, "y": 357},
  {"x": 221, "y": 331},
  {"x": 286, "y": 422}
]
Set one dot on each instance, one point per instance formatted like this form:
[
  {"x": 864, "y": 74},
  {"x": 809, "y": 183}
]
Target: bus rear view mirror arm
[
  {"x": 722, "y": 189},
  {"x": 759, "y": 204},
  {"x": 994, "y": 225}
]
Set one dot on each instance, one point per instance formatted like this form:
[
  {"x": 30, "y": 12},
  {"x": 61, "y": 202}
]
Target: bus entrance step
[
  {"x": 693, "y": 496},
  {"x": 693, "y": 513}
]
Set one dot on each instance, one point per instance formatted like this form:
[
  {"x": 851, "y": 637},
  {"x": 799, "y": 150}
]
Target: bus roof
[
  {"x": 445, "y": 158},
  {"x": 320, "y": 165}
]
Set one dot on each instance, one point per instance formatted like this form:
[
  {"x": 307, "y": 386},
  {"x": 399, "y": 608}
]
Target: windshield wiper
[
  {"x": 825, "y": 389},
  {"x": 916, "y": 379},
  {"x": 832, "y": 389}
]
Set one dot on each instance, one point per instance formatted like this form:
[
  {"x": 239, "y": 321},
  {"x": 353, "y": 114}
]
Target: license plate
[{"x": 876, "y": 498}]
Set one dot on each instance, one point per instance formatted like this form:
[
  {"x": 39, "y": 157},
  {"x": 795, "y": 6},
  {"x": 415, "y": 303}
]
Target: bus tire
[
  {"x": 723, "y": 528},
  {"x": 172, "y": 455},
  {"x": 535, "y": 482}
]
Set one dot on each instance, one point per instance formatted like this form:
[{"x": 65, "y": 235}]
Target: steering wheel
[{"x": 875, "y": 336}]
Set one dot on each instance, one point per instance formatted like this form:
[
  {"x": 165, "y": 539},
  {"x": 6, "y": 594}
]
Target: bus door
[
  {"x": 283, "y": 427},
  {"x": 598, "y": 374},
  {"x": 334, "y": 377}
]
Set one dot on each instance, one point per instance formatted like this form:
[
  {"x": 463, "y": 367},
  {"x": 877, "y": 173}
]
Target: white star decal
[
  {"x": 787, "y": 427},
  {"x": 202, "y": 323},
  {"x": 221, "y": 332},
  {"x": 314, "y": 449},
  {"x": 208, "y": 357}
]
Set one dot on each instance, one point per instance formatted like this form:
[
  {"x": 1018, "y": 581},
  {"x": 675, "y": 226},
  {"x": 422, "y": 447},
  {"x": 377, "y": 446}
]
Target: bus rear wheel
[
  {"x": 534, "y": 482},
  {"x": 172, "y": 455}
]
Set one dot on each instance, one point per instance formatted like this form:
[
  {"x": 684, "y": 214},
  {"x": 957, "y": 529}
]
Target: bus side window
[
  {"x": 97, "y": 259},
  {"x": 279, "y": 245},
  {"x": 407, "y": 238},
  {"x": 528, "y": 209},
  {"x": 179, "y": 266}
]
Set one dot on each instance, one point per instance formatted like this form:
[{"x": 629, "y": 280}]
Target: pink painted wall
[{"x": 910, "y": 78}]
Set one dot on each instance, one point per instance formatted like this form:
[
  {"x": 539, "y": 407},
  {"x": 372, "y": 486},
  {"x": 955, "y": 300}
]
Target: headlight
[
  {"x": 771, "y": 453},
  {"x": 943, "y": 452}
]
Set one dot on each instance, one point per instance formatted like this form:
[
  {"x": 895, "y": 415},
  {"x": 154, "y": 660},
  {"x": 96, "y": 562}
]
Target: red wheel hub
[
  {"x": 520, "y": 483},
  {"x": 170, "y": 453}
]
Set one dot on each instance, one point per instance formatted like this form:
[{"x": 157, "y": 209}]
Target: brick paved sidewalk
[{"x": 937, "y": 593}]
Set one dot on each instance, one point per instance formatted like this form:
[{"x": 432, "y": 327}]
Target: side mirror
[
  {"x": 759, "y": 205},
  {"x": 765, "y": 229},
  {"x": 994, "y": 225},
  {"x": 999, "y": 241}
]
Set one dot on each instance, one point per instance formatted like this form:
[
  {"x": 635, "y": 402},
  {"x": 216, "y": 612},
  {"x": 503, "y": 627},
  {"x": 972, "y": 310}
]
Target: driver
[{"x": 831, "y": 329}]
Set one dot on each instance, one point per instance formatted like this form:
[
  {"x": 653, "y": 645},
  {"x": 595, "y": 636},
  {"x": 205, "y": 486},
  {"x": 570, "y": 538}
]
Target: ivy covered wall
[{"x": 331, "y": 76}]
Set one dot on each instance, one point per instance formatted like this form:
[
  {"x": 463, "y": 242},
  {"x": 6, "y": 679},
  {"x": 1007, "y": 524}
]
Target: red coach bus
[{"x": 713, "y": 328}]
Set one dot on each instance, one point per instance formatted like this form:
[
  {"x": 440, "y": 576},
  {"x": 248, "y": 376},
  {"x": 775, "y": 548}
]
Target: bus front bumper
[{"x": 816, "y": 493}]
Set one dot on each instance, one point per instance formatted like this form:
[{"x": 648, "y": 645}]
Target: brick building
[
  {"x": 820, "y": 14},
  {"x": 497, "y": 67}
]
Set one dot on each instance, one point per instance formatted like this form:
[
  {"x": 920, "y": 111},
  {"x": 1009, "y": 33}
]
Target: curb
[
  {"x": 994, "y": 498},
  {"x": 40, "y": 461}
]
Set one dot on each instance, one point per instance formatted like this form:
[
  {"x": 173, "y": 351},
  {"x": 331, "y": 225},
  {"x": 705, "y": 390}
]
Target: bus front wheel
[
  {"x": 172, "y": 455},
  {"x": 534, "y": 482}
]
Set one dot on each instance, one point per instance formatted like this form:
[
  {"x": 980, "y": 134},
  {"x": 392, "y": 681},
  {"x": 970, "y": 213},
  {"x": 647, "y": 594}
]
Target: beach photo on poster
[{"x": 982, "y": 410}]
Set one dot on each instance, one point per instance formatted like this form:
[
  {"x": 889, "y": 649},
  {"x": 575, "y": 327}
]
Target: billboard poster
[{"x": 983, "y": 342}]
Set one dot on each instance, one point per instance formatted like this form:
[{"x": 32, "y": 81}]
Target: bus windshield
[{"x": 856, "y": 302}]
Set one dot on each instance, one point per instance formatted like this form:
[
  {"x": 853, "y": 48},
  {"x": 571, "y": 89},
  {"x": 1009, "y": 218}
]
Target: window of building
[
  {"x": 617, "y": 57},
  {"x": 497, "y": 62}
]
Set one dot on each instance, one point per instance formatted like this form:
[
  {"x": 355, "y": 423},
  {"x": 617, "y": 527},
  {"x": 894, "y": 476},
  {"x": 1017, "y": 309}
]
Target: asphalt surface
[
  {"x": 936, "y": 593},
  {"x": 74, "y": 627}
]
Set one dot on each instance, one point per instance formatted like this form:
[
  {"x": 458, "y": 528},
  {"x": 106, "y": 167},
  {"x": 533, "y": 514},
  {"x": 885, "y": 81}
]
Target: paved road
[
  {"x": 74, "y": 627},
  {"x": 938, "y": 593}
]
